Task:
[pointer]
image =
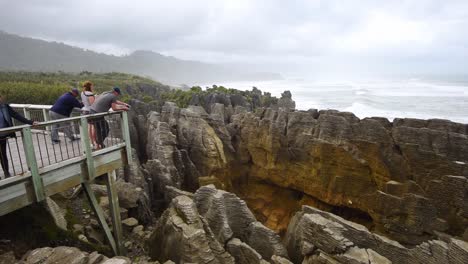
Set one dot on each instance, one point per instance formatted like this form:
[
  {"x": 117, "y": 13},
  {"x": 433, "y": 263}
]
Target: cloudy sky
[{"x": 287, "y": 36}]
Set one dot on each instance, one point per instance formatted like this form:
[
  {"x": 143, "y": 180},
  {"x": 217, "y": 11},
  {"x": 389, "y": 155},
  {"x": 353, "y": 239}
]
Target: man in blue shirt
[
  {"x": 6, "y": 113},
  {"x": 62, "y": 109}
]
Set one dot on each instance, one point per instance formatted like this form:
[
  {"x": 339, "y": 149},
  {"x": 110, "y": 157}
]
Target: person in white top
[{"x": 88, "y": 98}]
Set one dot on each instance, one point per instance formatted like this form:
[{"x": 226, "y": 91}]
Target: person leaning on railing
[
  {"x": 6, "y": 113},
  {"x": 102, "y": 104},
  {"x": 62, "y": 109}
]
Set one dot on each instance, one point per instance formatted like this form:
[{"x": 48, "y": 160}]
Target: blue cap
[
  {"x": 75, "y": 91},
  {"x": 117, "y": 90}
]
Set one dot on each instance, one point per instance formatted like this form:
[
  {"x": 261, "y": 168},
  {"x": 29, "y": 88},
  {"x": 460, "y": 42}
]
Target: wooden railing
[{"x": 42, "y": 169}]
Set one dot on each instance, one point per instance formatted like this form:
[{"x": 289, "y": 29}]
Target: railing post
[
  {"x": 115, "y": 211},
  {"x": 126, "y": 136},
  {"x": 45, "y": 115},
  {"x": 26, "y": 112},
  {"x": 100, "y": 215},
  {"x": 32, "y": 164},
  {"x": 85, "y": 142}
]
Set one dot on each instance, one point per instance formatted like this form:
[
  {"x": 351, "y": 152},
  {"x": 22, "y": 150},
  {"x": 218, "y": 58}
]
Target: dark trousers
[
  {"x": 102, "y": 130},
  {"x": 4, "y": 156}
]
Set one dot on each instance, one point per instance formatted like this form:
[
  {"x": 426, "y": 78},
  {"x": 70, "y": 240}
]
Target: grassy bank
[{"x": 45, "y": 88}]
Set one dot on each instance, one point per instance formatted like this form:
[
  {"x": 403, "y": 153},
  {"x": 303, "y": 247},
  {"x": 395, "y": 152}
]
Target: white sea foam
[{"x": 413, "y": 98}]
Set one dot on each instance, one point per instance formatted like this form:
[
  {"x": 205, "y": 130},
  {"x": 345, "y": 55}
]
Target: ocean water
[{"x": 391, "y": 99}]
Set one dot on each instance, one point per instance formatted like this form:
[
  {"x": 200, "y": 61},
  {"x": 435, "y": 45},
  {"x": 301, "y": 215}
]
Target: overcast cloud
[{"x": 308, "y": 35}]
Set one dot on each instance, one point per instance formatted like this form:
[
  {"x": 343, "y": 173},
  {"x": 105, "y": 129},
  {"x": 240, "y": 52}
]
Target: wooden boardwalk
[
  {"x": 46, "y": 152},
  {"x": 41, "y": 169}
]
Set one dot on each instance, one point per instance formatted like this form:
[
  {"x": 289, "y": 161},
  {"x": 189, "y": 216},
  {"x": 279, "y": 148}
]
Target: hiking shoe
[
  {"x": 55, "y": 141},
  {"x": 74, "y": 138}
]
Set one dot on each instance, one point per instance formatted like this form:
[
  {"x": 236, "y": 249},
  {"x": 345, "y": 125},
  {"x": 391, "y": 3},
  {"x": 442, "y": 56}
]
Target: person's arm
[
  {"x": 122, "y": 103},
  {"x": 77, "y": 103},
  {"x": 119, "y": 107},
  {"x": 91, "y": 99},
  {"x": 19, "y": 117}
]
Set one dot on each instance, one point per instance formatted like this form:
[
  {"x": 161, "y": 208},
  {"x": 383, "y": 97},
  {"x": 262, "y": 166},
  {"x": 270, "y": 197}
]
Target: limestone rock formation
[
  {"x": 172, "y": 192},
  {"x": 182, "y": 147},
  {"x": 68, "y": 255},
  {"x": 406, "y": 179},
  {"x": 279, "y": 260},
  {"x": 315, "y": 236},
  {"x": 213, "y": 227},
  {"x": 71, "y": 255},
  {"x": 229, "y": 217},
  {"x": 182, "y": 236},
  {"x": 7, "y": 258},
  {"x": 243, "y": 253},
  {"x": 286, "y": 102},
  {"x": 388, "y": 174},
  {"x": 56, "y": 213}
]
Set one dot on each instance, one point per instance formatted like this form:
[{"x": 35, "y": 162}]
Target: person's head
[
  {"x": 2, "y": 99},
  {"x": 116, "y": 91},
  {"x": 75, "y": 92},
  {"x": 88, "y": 86}
]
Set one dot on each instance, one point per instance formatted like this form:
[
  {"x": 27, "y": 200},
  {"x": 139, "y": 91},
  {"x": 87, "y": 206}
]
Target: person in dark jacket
[
  {"x": 62, "y": 109},
  {"x": 6, "y": 115}
]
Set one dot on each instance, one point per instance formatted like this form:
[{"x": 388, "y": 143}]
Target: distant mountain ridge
[{"x": 19, "y": 53}]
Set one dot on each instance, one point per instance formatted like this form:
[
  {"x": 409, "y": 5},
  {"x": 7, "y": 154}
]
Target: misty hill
[{"x": 26, "y": 54}]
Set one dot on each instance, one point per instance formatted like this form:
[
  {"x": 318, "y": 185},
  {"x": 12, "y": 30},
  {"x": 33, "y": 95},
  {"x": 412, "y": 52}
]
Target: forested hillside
[{"x": 27, "y": 54}]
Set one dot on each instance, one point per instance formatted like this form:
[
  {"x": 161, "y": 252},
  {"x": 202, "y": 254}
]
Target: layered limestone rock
[
  {"x": 71, "y": 255},
  {"x": 56, "y": 213},
  {"x": 229, "y": 217},
  {"x": 391, "y": 172},
  {"x": 406, "y": 179},
  {"x": 213, "y": 227},
  {"x": 286, "y": 102},
  {"x": 182, "y": 236},
  {"x": 243, "y": 253},
  {"x": 315, "y": 236},
  {"x": 182, "y": 147}
]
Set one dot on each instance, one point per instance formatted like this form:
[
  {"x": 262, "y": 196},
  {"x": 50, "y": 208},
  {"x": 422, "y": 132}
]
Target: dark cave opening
[{"x": 354, "y": 215}]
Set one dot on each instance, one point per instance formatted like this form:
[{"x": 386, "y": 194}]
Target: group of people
[{"x": 90, "y": 104}]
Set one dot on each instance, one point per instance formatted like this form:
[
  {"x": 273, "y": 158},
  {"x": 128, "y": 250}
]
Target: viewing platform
[{"x": 39, "y": 168}]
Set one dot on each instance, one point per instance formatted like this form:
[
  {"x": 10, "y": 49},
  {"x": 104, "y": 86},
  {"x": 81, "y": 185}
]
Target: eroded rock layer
[
  {"x": 213, "y": 226},
  {"x": 316, "y": 236},
  {"x": 406, "y": 179}
]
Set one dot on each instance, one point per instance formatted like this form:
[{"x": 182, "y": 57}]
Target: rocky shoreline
[{"x": 228, "y": 180}]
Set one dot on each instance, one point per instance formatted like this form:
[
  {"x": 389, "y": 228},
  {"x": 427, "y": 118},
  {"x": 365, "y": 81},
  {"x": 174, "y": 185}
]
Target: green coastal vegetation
[{"x": 45, "y": 87}]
